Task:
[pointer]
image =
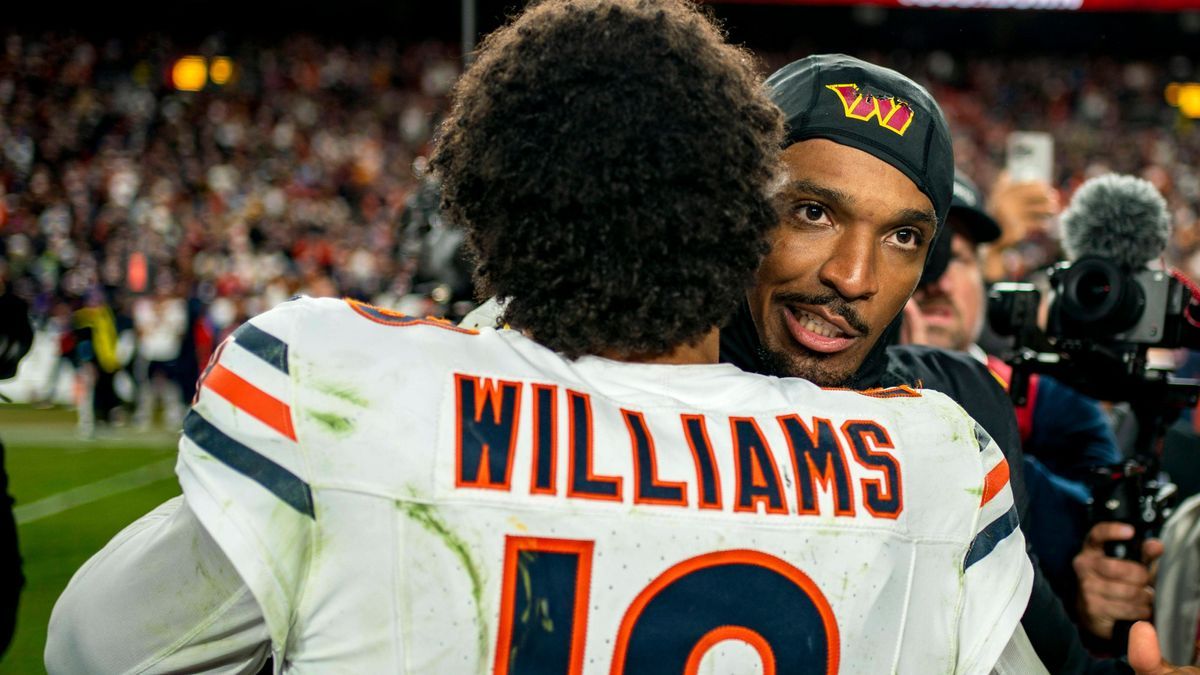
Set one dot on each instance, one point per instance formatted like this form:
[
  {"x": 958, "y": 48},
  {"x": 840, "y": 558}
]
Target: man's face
[
  {"x": 848, "y": 251},
  {"x": 952, "y": 306}
]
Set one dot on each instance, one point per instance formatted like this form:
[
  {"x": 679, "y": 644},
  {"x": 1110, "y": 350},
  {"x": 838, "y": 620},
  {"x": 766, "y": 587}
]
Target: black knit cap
[
  {"x": 874, "y": 109},
  {"x": 967, "y": 207}
]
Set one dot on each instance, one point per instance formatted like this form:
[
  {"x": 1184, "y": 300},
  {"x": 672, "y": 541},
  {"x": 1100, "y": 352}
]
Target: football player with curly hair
[{"x": 587, "y": 490}]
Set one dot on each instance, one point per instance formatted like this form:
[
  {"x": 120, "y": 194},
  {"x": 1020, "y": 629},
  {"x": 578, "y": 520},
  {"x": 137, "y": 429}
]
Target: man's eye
[
  {"x": 908, "y": 238},
  {"x": 811, "y": 213}
]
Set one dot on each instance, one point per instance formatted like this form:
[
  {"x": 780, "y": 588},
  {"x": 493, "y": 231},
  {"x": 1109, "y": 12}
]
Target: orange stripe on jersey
[
  {"x": 251, "y": 400},
  {"x": 901, "y": 391},
  {"x": 389, "y": 317},
  {"x": 996, "y": 479}
]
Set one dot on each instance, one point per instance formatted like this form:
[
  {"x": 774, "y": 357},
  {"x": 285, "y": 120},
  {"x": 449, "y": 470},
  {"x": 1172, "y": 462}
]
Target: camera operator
[
  {"x": 1063, "y": 433},
  {"x": 16, "y": 337}
]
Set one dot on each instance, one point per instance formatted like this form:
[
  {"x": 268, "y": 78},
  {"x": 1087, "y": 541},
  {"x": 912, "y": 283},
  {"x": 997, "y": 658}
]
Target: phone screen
[{"x": 1030, "y": 156}]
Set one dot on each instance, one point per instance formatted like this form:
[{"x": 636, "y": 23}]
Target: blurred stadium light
[
  {"x": 189, "y": 73},
  {"x": 192, "y": 73},
  {"x": 1185, "y": 96},
  {"x": 221, "y": 70}
]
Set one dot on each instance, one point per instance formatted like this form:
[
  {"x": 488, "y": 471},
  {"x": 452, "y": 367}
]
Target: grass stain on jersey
[
  {"x": 426, "y": 516},
  {"x": 953, "y": 419},
  {"x": 537, "y": 610},
  {"x": 536, "y": 615},
  {"x": 334, "y": 423},
  {"x": 342, "y": 392}
]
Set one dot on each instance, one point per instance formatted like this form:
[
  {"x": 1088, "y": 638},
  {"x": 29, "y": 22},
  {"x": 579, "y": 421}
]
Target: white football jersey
[{"x": 404, "y": 495}]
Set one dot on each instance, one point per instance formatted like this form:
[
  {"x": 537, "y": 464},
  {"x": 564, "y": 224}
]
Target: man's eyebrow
[
  {"x": 917, "y": 217},
  {"x": 828, "y": 194},
  {"x": 837, "y": 197}
]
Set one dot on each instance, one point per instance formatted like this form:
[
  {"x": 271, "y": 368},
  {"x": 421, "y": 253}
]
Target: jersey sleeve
[
  {"x": 996, "y": 572},
  {"x": 182, "y": 606},
  {"x": 243, "y": 469}
]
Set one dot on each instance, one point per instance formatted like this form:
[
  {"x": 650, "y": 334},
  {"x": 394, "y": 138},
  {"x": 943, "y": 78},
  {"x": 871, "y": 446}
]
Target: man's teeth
[{"x": 817, "y": 325}]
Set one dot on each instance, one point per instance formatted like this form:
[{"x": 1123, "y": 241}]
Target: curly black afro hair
[{"x": 608, "y": 159}]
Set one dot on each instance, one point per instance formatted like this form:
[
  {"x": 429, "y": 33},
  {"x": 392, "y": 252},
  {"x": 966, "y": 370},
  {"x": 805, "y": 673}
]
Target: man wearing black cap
[
  {"x": 1063, "y": 433},
  {"x": 867, "y": 177},
  {"x": 866, "y": 180}
]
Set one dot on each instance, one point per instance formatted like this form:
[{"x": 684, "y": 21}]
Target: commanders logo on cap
[{"x": 891, "y": 114}]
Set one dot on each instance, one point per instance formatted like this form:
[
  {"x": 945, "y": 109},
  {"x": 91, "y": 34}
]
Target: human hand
[
  {"x": 913, "y": 329},
  {"x": 1111, "y": 589},
  {"x": 1021, "y": 208},
  {"x": 1145, "y": 656}
]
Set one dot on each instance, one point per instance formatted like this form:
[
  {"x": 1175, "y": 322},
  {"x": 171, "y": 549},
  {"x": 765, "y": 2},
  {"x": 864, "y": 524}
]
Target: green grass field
[{"x": 72, "y": 495}]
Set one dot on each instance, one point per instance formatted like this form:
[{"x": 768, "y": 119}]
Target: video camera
[
  {"x": 1101, "y": 322},
  {"x": 1107, "y": 309}
]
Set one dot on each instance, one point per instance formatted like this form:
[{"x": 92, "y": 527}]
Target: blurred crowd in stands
[{"x": 143, "y": 224}]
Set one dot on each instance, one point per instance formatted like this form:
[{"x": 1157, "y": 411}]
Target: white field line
[{"x": 84, "y": 494}]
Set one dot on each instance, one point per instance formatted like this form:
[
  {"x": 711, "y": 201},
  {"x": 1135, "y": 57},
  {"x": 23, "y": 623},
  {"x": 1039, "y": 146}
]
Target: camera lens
[
  {"x": 1093, "y": 290},
  {"x": 1097, "y": 295}
]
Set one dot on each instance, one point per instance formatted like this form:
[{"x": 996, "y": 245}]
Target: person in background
[
  {"x": 161, "y": 322},
  {"x": 1064, "y": 434},
  {"x": 95, "y": 353},
  {"x": 1027, "y": 209}
]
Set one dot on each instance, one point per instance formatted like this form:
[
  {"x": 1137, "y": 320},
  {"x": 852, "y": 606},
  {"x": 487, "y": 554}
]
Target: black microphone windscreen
[{"x": 1121, "y": 218}]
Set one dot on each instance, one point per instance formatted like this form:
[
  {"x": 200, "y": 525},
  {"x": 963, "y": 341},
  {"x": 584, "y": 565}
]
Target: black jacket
[{"x": 16, "y": 337}]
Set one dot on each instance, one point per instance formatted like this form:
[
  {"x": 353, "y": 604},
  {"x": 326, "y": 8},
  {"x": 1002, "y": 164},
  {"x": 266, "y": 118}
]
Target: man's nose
[{"x": 851, "y": 269}]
